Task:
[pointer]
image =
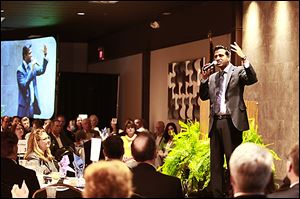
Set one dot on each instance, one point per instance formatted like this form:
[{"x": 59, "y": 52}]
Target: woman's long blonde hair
[{"x": 32, "y": 146}]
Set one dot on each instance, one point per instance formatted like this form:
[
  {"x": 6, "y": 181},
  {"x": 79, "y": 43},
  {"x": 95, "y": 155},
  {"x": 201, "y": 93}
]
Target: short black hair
[
  {"x": 113, "y": 147},
  {"x": 8, "y": 140},
  {"x": 26, "y": 49},
  {"x": 218, "y": 47}
]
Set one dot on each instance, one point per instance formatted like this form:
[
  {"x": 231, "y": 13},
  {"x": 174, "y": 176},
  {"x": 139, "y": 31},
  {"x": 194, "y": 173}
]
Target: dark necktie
[{"x": 219, "y": 91}]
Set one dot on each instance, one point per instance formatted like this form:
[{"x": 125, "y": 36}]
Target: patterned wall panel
[{"x": 183, "y": 89}]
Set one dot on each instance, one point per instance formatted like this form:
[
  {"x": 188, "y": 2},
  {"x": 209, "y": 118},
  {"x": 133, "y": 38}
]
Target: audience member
[
  {"x": 140, "y": 125},
  {"x": 72, "y": 127},
  {"x": 47, "y": 126},
  {"x": 94, "y": 123},
  {"x": 148, "y": 182},
  {"x": 107, "y": 179},
  {"x": 18, "y": 129},
  {"x": 158, "y": 135},
  {"x": 114, "y": 128},
  {"x": 130, "y": 130},
  {"x": 167, "y": 142},
  {"x": 292, "y": 171},
  {"x": 38, "y": 153},
  {"x": 113, "y": 148},
  {"x": 26, "y": 123},
  {"x": 87, "y": 128},
  {"x": 11, "y": 172},
  {"x": 15, "y": 120},
  {"x": 61, "y": 118},
  {"x": 250, "y": 169},
  {"x": 78, "y": 123},
  {"x": 60, "y": 142},
  {"x": 5, "y": 123},
  {"x": 80, "y": 138}
]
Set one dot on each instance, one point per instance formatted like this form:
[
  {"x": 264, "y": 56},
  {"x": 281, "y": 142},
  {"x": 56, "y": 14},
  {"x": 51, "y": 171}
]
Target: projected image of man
[{"x": 28, "y": 101}]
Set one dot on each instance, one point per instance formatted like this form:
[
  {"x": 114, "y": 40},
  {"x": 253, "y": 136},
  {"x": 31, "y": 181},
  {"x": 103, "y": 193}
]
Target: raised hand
[
  {"x": 205, "y": 74},
  {"x": 45, "y": 50},
  {"x": 236, "y": 48}
]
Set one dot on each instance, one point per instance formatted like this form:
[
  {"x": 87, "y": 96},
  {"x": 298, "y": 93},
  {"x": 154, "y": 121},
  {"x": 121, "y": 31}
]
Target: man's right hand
[{"x": 205, "y": 74}]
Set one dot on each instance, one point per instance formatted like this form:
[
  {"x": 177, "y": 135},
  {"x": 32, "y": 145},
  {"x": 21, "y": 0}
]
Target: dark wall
[
  {"x": 185, "y": 25},
  {"x": 83, "y": 93}
]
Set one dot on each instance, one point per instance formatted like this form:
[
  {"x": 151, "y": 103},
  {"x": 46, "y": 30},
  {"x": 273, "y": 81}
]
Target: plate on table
[{"x": 61, "y": 188}]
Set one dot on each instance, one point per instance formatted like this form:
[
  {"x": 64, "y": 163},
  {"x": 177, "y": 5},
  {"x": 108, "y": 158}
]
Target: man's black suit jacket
[
  {"x": 148, "y": 182},
  {"x": 12, "y": 173},
  {"x": 288, "y": 193}
]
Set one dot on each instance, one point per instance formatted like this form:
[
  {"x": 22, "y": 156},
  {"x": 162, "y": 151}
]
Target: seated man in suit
[
  {"x": 250, "y": 170},
  {"x": 11, "y": 172},
  {"x": 60, "y": 142},
  {"x": 292, "y": 175},
  {"x": 148, "y": 182}
]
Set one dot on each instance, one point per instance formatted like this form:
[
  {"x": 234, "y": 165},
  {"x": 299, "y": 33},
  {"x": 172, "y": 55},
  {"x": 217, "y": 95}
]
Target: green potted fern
[{"x": 189, "y": 159}]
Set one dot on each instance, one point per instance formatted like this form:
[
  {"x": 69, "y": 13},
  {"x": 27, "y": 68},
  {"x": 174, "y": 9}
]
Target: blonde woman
[
  {"x": 38, "y": 153},
  {"x": 107, "y": 179}
]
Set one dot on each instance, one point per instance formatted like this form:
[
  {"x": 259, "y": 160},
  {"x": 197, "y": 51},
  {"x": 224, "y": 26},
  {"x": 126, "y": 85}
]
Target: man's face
[
  {"x": 5, "y": 122},
  {"x": 221, "y": 58},
  {"x": 26, "y": 124},
  {"x": 56, "y": 128},
  {"x": 94, "y": 121},
  {"x": 62, "y": 121},
  {"x": 138, "y": 123},
  {"x": 28, "y": 57},
  {"x": 86, "y": 125},
  {"x": 159, "y": 128}
]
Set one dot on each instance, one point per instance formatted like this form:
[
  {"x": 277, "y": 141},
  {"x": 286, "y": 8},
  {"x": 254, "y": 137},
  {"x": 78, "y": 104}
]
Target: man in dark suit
[
  {"x": 250, "y": 170},
  {"x": 11, "y": 172},
  {"x": 26, "y": 77},
  {"x": 228, "y": 116},
  {"x": 292, "y": 175},
  {"x": 148, "y": 182}
]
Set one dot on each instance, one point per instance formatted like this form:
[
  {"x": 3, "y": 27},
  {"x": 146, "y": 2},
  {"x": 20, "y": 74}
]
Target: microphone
[
  {"x": 33, "y": 59},
  {"x": 209, "y": 65}
]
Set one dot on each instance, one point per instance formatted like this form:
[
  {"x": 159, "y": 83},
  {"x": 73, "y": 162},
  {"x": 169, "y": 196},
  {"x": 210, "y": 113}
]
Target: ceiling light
[
  {"x": 2, "y": 18},
  {"x": 166, "y": 13},
  {"x": 80, "y": 13},
  {"x": 154, "y": 24},
  {"x": 34, "y": 36},
  {"x": 103, "y": 2}
]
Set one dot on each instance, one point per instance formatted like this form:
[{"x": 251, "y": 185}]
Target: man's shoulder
[
  {"x": 20, "y": 68},
  {"x": 14, "y": 167},
  {"x": 147, "y": 168},
  {"x": 287, "y": 193}
]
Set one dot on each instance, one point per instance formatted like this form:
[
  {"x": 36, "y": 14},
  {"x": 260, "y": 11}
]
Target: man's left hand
[
  {"x": 235, "y": 48},
  {"x": 45, "y": 50}
]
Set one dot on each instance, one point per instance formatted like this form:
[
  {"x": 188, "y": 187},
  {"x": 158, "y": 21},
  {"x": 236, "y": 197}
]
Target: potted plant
[{"x": 189, "y": 159}]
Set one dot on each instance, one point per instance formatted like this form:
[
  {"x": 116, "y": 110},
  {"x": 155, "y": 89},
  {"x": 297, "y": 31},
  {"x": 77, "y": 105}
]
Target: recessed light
[
  {"x": 2, "y": 18},
  {"x": 2, "y": 11},
  {"x": 166, "y": 13},
  {"x": 80, "y": 13},
  {"x": 34, "y": 36}
]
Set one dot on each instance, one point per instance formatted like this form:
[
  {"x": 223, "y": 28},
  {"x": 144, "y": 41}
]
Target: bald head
[{"x": 143, "y": 147}]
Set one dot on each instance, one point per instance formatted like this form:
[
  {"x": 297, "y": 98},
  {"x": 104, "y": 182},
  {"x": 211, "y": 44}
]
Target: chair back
[{"x": 62, "y": 191}]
